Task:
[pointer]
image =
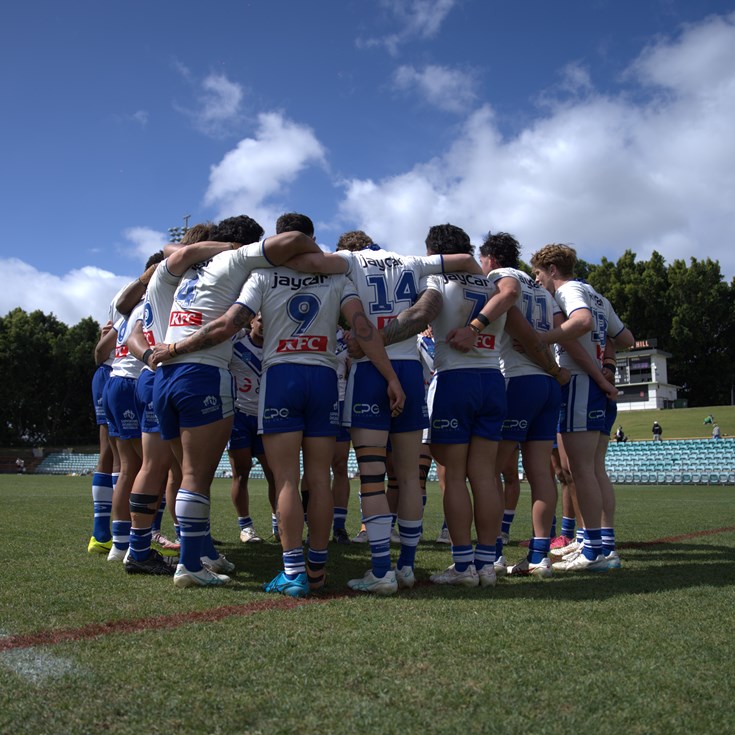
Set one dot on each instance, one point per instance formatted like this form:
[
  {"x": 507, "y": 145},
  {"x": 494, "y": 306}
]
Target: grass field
[
  {"x": 645, "y": 649},
  {"x": 679, "y": 423}
]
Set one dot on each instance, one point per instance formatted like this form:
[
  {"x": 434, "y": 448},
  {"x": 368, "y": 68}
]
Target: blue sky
[{"x": 607, "y": 124}]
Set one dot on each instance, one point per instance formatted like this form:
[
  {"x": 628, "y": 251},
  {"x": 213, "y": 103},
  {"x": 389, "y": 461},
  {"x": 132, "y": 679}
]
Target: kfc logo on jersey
[
  {"x": 121, "y": 351},
  {"x": 304, "y": 343},
  {"x": 383, "y": 320},
  {"x": 185, "y": 319},
  {"x": 485, "y": 341}
]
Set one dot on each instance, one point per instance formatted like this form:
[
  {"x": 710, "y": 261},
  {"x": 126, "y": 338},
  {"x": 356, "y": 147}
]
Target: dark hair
[
  {"x": 503, "y": 247},
  {"x": 242, "y": 229},
  {"x": 155, "y": 258},
  {"x": 354, "y": 240},
  {"x": 444, "y": 239},
  {"x": 295, "y": 222}
]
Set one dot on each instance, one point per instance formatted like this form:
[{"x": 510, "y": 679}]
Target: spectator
[
  {"x": 657, "y": 431},
  {"x": 619, "y": 435},
  {"x": 716, "y": 432}
]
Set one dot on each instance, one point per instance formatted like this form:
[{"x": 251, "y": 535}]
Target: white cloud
[
  {"x": 217, "y": 106},
  {"x": 145, "y": 242},
  {"x": 261, "y": 168},
  {"x": 448, "y": 89},
  {"x": 418, "y": 19},
  {"x": 141, "y": 117},
  {"x": 651, "y": 168},
  {"x": 70, "y": 297}
]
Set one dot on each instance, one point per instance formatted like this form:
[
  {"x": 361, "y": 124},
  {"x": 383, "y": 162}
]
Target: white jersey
[
  {"x": 342, "y": 362},
  {"x": 614, "y": 323},
  {"x": 388, "y": 283},
  {"x": 206, "y": 291},
  {"x": 300, "y": 313},
  {"x": 539, "y": 307},
  {"x": 464, "y": 294},
  {"x": 159, "y": 297},
  {"x": 126, "y": 365},
  {"x": 113, "y": 315},
  {"x": 246, "y": 367},
  {"x": 574, "y": 295}
]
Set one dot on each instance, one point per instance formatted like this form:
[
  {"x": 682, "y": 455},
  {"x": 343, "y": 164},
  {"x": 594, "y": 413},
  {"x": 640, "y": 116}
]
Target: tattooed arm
[
  {"x": 371, "y": 343},
  {"x": 409, "y": 322},
  {"x": 222, "y": 328},
  {"x": 415, "y": 319}
]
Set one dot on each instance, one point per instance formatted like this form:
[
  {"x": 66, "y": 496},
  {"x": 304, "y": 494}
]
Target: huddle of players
[{"x": 483, "y": 319}]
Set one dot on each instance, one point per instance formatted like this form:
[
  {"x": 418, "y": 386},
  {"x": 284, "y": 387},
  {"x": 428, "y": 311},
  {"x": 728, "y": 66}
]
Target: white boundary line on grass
[{"x": 36, "y": 666}]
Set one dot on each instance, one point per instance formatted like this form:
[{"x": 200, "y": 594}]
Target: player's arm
[
  {"x": 326, "y": 263},
  {"x": 415, "y": 319},
  {"x": 134, "y": 291},
  {"x": 461, "y": 263},
  {"x": 224, "y": 327},
  {"x": 183, "y": 258},
  {"x": 280, "y": 248},
  {"x": 592, "y": 368},
  {"x": 517, "y": 326},
  {"x": 579, "y": 322},
  {"x": 106, "y": 343},
  {"x": 372, "y": 345},
  {"x": 508, "y": 290},
  {"x": 138, "y": 345}
]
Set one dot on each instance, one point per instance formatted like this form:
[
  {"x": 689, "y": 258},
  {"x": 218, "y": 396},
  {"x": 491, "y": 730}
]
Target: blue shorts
[
  {"x": 144, "y": 393},
  {"x": 99, "y": 380},
  {"x": 191, "y": 394},
  {"x": 533, "y": 408},
  {"x": 344, "y": 432},
  {"x": 121, "y": 407},
  {"x": 367, "y": 405},
  {"x": 583, "y": 406},
  {"x": 299, "y": 398},
  {"x": 611, "y": 413},
  {"x": 245, "y": 434},
  {"x": 466, "y": 403}
]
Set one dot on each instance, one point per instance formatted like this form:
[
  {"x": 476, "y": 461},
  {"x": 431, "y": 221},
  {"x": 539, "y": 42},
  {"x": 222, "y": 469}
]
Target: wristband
[
  {"x": 172, "y": 349},
  {"x": 482, "y": 319},
  {"x": 609, "y": 365},
  {"x": 472, "y": 326},
  {"x": 146, "y": 356}
]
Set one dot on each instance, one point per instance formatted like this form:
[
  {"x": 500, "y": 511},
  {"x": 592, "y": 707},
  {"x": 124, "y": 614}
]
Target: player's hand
[
  {"x": 462, "y": 339},
  {"x": 106, "y": 328},
  {"x": 563, "y": 376},
  {"x": 160, "y": 353},
  {"x": 397, "y": 397}
]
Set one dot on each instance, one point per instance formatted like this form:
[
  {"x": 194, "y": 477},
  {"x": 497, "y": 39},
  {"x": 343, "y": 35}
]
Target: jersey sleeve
[{"x": 251, "y": 294}]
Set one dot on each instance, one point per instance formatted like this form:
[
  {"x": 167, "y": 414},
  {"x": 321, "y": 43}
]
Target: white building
[{"x": 642, "y": 378}]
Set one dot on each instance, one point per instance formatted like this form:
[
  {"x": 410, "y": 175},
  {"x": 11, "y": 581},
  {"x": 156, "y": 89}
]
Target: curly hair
[
  {"x": 295, "y": 222},
  {"x": 242, "y": 229},
  {"x": 503, "y": 247},
  {"x": 354, "y": 240},
  {"x": 562, "y": 256},
  {"x": 445, "y": 239}
]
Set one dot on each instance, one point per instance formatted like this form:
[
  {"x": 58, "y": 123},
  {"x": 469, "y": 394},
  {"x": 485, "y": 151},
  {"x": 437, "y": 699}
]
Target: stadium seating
[{"x": 687, "y": 462}]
